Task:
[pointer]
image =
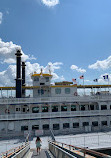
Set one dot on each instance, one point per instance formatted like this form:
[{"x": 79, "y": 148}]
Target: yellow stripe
[{"x": 78, "y": 86}]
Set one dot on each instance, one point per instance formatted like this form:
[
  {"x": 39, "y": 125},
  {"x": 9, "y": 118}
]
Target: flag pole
[
  {"x": 108, "y": 83},
  {"x": 83, "y": 85}
]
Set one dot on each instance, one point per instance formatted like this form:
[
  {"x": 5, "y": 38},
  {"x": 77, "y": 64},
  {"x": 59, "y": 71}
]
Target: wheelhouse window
[
  {"x": 63, "y": 108},
  {"x": 47, "y": 79},
  {"x": 67, "y": 90},
  {"x": 35, "y": 109},
  {"x": 85, "y": 123},
  {"x": 36, "y": 79},
  {"x": 65, "y": 125},
  {"x": 24, "y": 128},
  {"x": 91, "y": 107},
  {"x": 103, "y": 107},
  {"x": 35, "y": 127},
  {"x": 46, "y": 127},
  {"x": 95, "y": 123},
  {"x": 104, "y": 123},
  {"x": 56, "y": 127},
  {"x": 76, "y": 125},
  {"x": 82, "y": 107},
  {"x": 54, "y": 108},
  {"x": 58, "y": 90},
  {"x": 73, "y": 107},
  {"x": 45, "y": 109}
]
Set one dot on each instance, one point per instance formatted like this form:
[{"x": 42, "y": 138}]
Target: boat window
[
  {"x": 85, "y": 123},
  {"x": 24, "y": 128},
  {"x": 95, "y": 123},
  {"x": 42, "y": 84},
  {"x": 17, "y": 109},
  {"x": 76, "y": 125},
  {"x": 104, "y": 123},
  {"x": 35, "y": 127},
  {"x": 58, "y": 90},
  {"x": 67, "y": 90},
  {"x": 73, "y": 107},
  {"x": 63, "y": 108},
  {"x": 103, "y": 107},
  {"x": 46, "y": 127},
  {"x": 47, "y": 79},
  {"x": 54, "y": 108},
  {"x": 65, "y": 125},
  {"x": 36, "y": 79},
  {"x": 91, "y": 107},
  {"x": 35, "y": 109},
  {"x": 23, "y": 109},
  {"x": 82, "y": 107},
  {"x": 55, "y": 126},
  {"x": 44, "y": 109}
]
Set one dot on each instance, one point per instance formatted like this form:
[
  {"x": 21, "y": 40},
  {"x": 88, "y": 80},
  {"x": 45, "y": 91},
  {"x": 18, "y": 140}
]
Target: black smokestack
[
  {"x": 18, "y": 74},
  {"x": 23, "y": 78}
]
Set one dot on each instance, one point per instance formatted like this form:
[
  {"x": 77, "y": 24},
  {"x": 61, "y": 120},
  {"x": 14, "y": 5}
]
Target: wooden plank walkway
[{"x": 42, "y": 154}]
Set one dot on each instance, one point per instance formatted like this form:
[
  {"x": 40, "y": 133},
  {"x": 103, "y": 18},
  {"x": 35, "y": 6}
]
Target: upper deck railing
[
  {"x": 84, "y": 98},
  {"x": 55, "y": 114}
]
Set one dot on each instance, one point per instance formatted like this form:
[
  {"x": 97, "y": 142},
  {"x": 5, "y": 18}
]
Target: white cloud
[
  {"x": 74, "y": 67},
  {"x": 50, "y": 3},
  {"x": 101, "y": 64},
  {"x": 1, "y": 16},
  {"x": 7, "y": 55},
  {"x": 7, "y": 77},
  {"x": 8, "y": 50}
]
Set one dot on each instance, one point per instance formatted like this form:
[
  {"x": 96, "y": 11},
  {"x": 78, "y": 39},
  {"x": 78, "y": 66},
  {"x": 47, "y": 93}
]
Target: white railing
[
  {"x": 54, "y": 114},
  {"x": 55, "y": 99}
]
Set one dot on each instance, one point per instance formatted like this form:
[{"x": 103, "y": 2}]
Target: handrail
[
  {"x": 84, "y": 150},
  {"x": 52, "y": 135},
  {"x": 13, "y": 151}
]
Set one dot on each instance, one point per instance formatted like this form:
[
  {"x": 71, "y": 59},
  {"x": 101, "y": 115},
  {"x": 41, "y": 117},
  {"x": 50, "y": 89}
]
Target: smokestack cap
[
  {"x": 23, "y": 63},
  {"x": 18, "y": 53}
]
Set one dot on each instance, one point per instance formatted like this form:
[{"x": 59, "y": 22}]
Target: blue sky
[{"x": 73, "y": 32}]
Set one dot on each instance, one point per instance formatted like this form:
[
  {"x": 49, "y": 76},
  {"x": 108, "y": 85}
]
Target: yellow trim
[
  {"x": 64, "y": 86},
  {"x": 41, "y": 74},
  {"x": 78, "y": 86}
]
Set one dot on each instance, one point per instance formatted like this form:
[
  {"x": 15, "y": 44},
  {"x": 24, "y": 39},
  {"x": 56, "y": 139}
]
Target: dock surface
[{"x": 41, "y": 155}]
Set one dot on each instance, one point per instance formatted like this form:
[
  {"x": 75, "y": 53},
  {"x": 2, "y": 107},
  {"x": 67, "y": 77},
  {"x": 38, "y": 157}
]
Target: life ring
[
  {"x": 75, "y": 93},
  {"x": 7, "y": 111}
]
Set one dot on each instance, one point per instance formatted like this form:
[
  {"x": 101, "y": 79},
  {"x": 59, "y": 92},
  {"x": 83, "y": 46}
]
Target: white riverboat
[{"x": 58, "y": 107}]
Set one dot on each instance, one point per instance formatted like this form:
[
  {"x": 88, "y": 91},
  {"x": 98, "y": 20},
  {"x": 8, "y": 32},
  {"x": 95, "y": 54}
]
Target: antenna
[
  {"x": 50, "y": 69},
  {"x": 41, "y": 71}
]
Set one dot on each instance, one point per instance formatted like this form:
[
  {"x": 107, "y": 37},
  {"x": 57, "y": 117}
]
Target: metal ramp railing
[
  {"x": 57, "y": 148},
  {"x": 21, "y": 150}
]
